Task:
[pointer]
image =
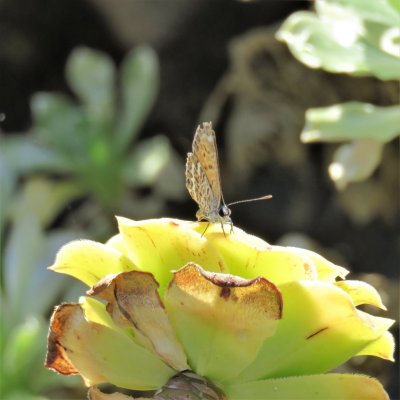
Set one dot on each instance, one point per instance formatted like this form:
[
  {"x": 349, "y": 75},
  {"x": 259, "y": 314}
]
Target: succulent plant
[
  {"x": 186, "y": 313},
  {"x": 361, "y": 39}
]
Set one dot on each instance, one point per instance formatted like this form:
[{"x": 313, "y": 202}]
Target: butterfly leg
[
  {"x": 208, "y": 224},
  {"x": 223, "y": 230}
]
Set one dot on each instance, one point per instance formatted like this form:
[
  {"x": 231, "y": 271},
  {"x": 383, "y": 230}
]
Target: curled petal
[
  {"x": 83, "y": 339},
  {"x": 382, "y": 347},
  {"x": 90, "y": 261},
  {"x": 221, "y": 320},
  {"x": 133, "y": 299},
  {"x": 57, "y": 356},
  {"x": 361, "y": 293}
]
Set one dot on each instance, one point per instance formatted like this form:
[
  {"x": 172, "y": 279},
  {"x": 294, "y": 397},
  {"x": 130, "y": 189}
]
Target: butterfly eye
[{"x": 224, "y": 211}]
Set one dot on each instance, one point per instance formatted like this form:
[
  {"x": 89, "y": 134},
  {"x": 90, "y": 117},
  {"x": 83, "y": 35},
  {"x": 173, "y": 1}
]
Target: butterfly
[{"x": 203, "y": 179}]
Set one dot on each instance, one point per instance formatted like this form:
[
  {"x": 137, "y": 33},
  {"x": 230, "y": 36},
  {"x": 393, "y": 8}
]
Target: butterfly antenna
[{"x": 269, "y": 196}]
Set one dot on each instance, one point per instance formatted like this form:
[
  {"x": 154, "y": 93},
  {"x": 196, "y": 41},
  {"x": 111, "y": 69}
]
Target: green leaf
[
  {"x": 338, "y": 40},
  {"x": 351, "y": 121},
  {"x": 28, "y": 286},
  {"x": 22, "y": 394},
  {"x": 46, "y": 286},
  {"x": 24, "y": 346},
  {"x": 21, "y": 252},
  {"x": 382, "y": 11},
  {"x": 139, "y": 87},
  {"x": 147, "y": 161},
  {"x": 8, "y": 182},
  {"x": 355, "y": 162},
  {"x": 44, "y": 198},
  {"x": 395, "y": 4},
  {"x": 60, "y": 125},
  {"x": 22, "y": 359},
  {"x": 91, "y": 75},
  {"x": 23, "y": 154}
]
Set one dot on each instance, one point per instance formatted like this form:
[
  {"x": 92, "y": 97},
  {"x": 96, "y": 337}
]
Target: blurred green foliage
[
  {"x": 88, "y": 143},
  {"x": 28, "y": 291},
  {"x": 362, "y": 39},
  {"x": 75, "y": 149}
]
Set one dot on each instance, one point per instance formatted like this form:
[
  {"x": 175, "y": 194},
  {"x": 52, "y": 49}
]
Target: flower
[{"x": 251, "y": 319}]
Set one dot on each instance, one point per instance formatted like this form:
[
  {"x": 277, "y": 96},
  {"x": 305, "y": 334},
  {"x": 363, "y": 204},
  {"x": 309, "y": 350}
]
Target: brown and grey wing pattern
[
  {"x": 199, "y": 187},
  {"x": 205, "y": 149},
  {"x": 202, "y": 173}
]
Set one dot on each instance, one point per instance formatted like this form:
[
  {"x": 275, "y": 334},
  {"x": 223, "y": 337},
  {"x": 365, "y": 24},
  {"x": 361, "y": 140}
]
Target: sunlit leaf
[
  {"x": 351, "y": 121},
  {"x": 383, "y": 11},
  {"x": 355, "y": 162},
  {"x": 339, "y": 40},
  {"x": 23, "y": 154}
]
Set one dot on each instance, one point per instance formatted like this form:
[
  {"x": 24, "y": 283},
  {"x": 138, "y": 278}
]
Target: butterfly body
[{"x": 203, "y": 178}]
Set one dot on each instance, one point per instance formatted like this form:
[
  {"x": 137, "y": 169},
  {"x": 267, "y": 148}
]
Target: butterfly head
[
  {"x": 221, "y": 215},
  {"x": 224, "y": 213}
]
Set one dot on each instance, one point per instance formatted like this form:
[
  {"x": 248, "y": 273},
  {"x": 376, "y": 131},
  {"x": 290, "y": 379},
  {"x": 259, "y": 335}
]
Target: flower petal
[
  {"x": 162, "y": 245},
  {"x": 318, "y": 318},
  {"x": 83, "y": 339},
  {"x": 248, "y": 256},
  {"x": 135, "y": 297},
  {"x": 90, "y": 261},
  {"x": 361, "y": 293},
  {"x": 313, "y": 387},
  {"x": 117, "y": 243},
  {"x": 221, "y": 320},
  {"x": 382, "y": 347},
  {"x": 326, "y": 270}
]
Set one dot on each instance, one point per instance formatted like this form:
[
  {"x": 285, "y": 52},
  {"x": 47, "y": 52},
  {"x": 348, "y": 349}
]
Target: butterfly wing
[
  {"x": 205, "y": 149},
  {"x": 202, "y": 171}
]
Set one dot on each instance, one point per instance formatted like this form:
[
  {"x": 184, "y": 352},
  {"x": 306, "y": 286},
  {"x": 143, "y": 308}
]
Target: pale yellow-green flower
[{"x": 254, "y": 320}]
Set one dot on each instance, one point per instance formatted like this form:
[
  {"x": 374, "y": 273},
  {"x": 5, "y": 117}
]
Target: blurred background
[{"x": 99, "y": 102}]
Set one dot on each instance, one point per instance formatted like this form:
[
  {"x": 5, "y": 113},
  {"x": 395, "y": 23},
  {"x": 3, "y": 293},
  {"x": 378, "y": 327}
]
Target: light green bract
[
  {"x": 347, "y": 36},
  {"x": 360, "y": 38},
  {"x": 255, "y": 320}
]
